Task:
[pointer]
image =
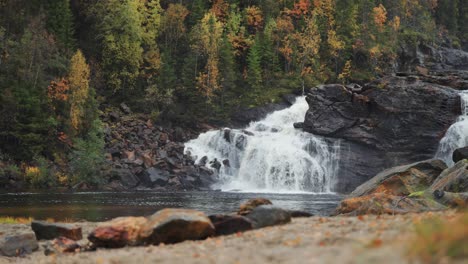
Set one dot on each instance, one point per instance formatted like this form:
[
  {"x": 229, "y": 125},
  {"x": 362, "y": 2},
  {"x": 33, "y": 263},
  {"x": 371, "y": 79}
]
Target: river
[{"x": 101, "y": 206}]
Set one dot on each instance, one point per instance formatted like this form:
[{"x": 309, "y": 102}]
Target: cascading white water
[
  {"x": 270, "y": 155},
  {"x": 457, "y": 134}
]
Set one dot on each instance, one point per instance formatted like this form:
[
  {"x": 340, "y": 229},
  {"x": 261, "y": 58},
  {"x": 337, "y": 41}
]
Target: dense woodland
[{"x": 63, "y": 62}]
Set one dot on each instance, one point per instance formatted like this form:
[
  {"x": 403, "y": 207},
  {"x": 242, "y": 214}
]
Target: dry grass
[
  {"x": 28, "y": 220},
  {"x": 15, "y": 220},
  {"x": 440, "y": 239}
]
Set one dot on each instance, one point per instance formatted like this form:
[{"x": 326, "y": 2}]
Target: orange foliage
[
  {"x": 220, "y": 9},
  {"x": 58, "y": 90},
  {"x": 254, "y": 17},
  {"x": 301, "y": 8},
  {"x": 380, "y": 16}
]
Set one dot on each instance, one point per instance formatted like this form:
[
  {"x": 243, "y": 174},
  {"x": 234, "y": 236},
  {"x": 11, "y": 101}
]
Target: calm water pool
[{"x": 100, "y": 206}]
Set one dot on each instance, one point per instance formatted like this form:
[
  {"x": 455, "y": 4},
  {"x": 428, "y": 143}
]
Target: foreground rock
[
  {"x": 456, "y": 200},
  {"x": 17, "y": 245},
  {"x": 391, "y": 121},
  {"x": 47, "y": 231},
  {"x": 402, "y": 180},
  {"x": 401, "y": 189},
  {"x": 61, "y": 245},
  {"x": 119, "y": 232},
  {"x": 176, "y": 225},
  {"x": 230, "y": 224},
  {"x": 453, "y": 179},
  {"x": 460, "y": 154},
  {"x": 268, "y": 215}
]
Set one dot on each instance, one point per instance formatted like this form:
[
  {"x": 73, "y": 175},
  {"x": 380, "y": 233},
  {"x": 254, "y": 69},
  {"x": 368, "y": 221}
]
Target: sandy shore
[{"x": 368, "y": 239}]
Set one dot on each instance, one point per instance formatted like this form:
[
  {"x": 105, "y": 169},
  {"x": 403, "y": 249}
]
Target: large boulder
[
  {"x": 403, "y": 180},
  {"x": 119, "y": 232},
  {"x": 18, "y": 244},
  {"x": 176, "y": 225},
  {"x": 382, "y": 203},
  {"x": 401, "y": 189},
  {"x": 392, "y": 121},
  {"x": 230, "y": 224},
  {"x": 460, "y": 154},
  {"x": 268, "y": 215},
  {"x": 453, "y": 179},
  {"x": 48, "y": 231}
]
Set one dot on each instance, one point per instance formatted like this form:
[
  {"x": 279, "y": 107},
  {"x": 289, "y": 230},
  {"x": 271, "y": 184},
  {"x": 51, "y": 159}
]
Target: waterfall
[
  {"x": 457, "y": 134},
  {"x": 270, "y": 155}
]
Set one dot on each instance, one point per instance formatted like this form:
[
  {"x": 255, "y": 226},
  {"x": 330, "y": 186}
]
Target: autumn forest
[{"x": 64, "y": 62}]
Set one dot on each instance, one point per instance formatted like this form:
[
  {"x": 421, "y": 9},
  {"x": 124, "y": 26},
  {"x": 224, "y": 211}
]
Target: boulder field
[{"x": 167, "y": 226}]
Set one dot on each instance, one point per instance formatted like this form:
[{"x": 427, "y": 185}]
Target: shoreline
[{"x": 340, "y": 239}]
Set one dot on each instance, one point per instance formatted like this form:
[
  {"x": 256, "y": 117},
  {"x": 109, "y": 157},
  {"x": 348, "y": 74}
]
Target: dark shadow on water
[{"x": 100, "y": 206}]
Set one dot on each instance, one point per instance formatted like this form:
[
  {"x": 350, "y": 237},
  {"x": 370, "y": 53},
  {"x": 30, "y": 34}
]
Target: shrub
[{"x": 439, "y": 240}]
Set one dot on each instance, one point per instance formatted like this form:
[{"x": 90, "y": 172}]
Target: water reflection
[{"x": 100, "y": 206}]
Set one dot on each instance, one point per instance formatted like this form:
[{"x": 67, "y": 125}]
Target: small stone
[
  {"x": 62, "y": 245},
  {"x": 47, "y": 231}
]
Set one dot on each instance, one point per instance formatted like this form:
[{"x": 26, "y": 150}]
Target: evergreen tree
[
  {"x": 120, "y": 34},
  {"x": 60, "y": 22},
  {"x": 254, "y": 58}
]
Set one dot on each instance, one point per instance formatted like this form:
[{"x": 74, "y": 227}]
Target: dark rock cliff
[{"x": 389, "y": 122}]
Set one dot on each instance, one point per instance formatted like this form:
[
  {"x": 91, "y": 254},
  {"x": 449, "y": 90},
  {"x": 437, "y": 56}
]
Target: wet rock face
[
  {"x": 176, "y": 225},
  {"x": 391, "y": 121},
  {"x": 18, "y": 244},
  {"x": 47, "y": 231},
  {"x": 460, "y": 154}
]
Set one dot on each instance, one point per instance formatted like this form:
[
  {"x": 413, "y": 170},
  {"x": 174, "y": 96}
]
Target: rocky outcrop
[
  {"x": 389, "y": 122},
  {"x": 402, "y": 180},
  {"x": 396, "y": 190},
  {"x": 47, "y": 231},
  {"x": 143, "y": 155},
  {"x": 423, "y": 186},
  {"x": 18, "y": 244},
  {"x": 434, "y": 58}
]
